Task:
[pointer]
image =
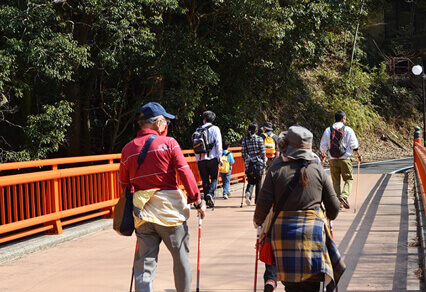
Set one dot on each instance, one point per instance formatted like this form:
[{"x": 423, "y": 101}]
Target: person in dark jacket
[
  {"x": 301, "y": 216},
  {"x": 254, "y": 156}
]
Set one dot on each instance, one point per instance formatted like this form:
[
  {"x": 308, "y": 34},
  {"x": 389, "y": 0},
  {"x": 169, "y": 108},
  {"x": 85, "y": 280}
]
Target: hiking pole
[
  {"x": 242, "y": 195},
  {"x": 357, "y": 183},
  {"x": 200, "y": 221},
  {"x": 133, "y": 268},
  {"x": 330, "y": 223},
  {"x": 257, "y": 258}
]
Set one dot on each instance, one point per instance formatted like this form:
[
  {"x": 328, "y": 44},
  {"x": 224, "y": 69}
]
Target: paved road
[
  {"x": 387, "y": 166},
  {"x": 376, "y": 243}
]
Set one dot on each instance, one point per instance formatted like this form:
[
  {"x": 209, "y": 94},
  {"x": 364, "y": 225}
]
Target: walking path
[{"x": 376, "y": 243}]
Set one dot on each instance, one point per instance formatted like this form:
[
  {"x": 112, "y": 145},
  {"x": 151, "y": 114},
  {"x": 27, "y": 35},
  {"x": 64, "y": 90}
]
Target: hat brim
[
  {"x": 299, "y": 153},
  {"x": 169, "y": 116},
  {"x": 166, "y": 115},
  {"x": 268, "y": 128}
]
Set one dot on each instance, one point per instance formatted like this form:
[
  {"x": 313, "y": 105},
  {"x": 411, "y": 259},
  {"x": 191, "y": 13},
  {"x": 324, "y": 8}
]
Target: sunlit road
[{"x": 382, "y": 167}]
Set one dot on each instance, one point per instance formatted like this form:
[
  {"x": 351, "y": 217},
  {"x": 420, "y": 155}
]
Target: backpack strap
[
  {"x": 208, "y": 145},
  {"x": 144, "y": 150},
  {"x": 227, "y": 155},
  {"x": 266, "y": 135},
  {"x": 280, "y": 205},
  {"x": 331, "y": 131}
]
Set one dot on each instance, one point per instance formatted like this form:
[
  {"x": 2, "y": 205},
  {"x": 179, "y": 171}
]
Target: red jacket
[{"x": 163, "y": 159}]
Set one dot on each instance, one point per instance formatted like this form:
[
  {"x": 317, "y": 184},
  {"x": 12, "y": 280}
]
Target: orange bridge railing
[
  {"x": 45, "y": 195},
  {"x": 420, "y": 166}
]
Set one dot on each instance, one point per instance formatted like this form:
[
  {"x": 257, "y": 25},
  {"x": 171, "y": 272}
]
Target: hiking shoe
[
  {"x": 344, "y": 202},
  {"x": 209, "y": 200},
  {"x": 248, "y": 200},
  {"x": 225, "y": 196}
]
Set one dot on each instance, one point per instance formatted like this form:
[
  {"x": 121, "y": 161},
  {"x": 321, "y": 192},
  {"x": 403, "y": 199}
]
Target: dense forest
[{"x": 74, "y": 73}]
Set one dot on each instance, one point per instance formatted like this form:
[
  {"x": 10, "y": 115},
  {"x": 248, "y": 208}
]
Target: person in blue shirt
[{"x": 226, "y": 176}]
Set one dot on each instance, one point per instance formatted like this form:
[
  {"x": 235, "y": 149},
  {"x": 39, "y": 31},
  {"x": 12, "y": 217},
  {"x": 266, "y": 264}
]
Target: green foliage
[
  {"x": 8, "y": 156},
  {"x": 285, "y": 61},
  {"x": 46, "y": 131},
  {"x": 39, "y": 56}
]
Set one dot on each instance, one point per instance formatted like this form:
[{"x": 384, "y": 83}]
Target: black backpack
[
  {"x": 201, "y": 140},
  {"x": 337, "y": 149},
  {"x": 255, "y": 168},
  {"x": 255, "y": 165}
]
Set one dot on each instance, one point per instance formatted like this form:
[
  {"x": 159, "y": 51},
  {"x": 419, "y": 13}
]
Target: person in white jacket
[
  {"x": 338, "y": 142},
  {"x": 208, "y": 163}
]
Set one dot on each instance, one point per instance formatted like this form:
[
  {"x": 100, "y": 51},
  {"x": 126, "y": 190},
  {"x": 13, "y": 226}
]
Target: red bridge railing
[
  {"x": 69, "y": 190},
  {"x": 420, "y": 165}
]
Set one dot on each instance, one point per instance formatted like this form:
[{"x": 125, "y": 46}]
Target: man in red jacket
[{"x": 161, "y": 207}]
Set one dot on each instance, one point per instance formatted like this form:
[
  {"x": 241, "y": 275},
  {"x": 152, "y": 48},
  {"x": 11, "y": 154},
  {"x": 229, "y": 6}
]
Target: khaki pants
[{"x": 341, "y": 167}]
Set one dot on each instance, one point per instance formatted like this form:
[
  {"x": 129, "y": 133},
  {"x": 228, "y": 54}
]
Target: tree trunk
[
  {"x": 74, "y": 132},
  {"x": 79, "y": 133}
]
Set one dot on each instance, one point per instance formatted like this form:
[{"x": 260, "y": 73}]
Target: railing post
[
  {"x": 417, "y": 135},
  {"x": 57, "y": 225},
  {"x": 417, "y": 139},
  {"x": 111, "y": 193}
]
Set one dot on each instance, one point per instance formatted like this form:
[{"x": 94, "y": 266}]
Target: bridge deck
[{"x": 375, "y": 243}]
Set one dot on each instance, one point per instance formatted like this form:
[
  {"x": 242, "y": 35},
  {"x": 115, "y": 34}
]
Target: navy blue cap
[{"x": 153, "y": 109}]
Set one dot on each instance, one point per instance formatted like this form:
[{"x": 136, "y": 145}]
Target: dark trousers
[
  {"x": 302, "y": 287},
  {"x": 270, "y": 273},
  {"x": 209, "y": 171},
  {"x": 251, "y": 183}
]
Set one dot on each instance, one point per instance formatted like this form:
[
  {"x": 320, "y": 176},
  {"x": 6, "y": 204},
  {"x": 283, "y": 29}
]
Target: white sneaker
[{"x": 248, "y": 200}]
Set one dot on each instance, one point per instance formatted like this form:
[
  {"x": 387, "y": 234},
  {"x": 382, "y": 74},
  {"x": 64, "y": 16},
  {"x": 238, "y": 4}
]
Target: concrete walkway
[{"x": 375, "y": 242}]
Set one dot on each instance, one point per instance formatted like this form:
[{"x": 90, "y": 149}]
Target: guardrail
[
  {"x": 46, "y": 200},
  {"x": 420, "y": 164}
]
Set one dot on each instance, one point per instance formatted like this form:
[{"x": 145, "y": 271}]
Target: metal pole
[
  {"x": 257, "y": 259},
  {"x": 200, "y": 222}
]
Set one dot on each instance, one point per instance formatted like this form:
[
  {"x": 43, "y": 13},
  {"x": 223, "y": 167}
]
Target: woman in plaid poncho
[{"x": 304, "y": 251}]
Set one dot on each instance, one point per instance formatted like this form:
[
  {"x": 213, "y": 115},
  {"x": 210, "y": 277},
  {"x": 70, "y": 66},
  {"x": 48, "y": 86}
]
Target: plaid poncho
[{"x": 304, "y": 249}]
